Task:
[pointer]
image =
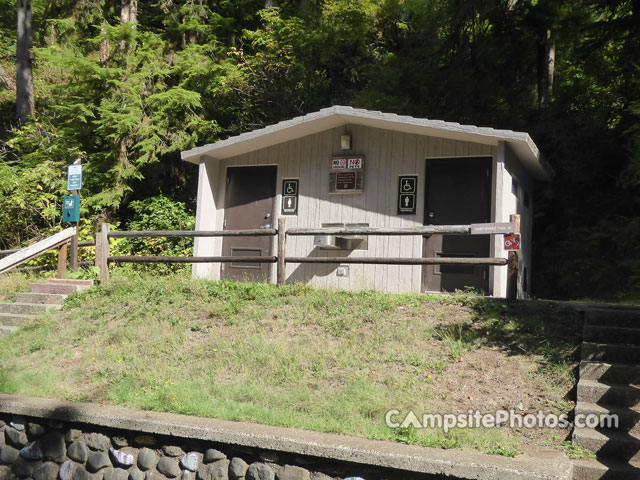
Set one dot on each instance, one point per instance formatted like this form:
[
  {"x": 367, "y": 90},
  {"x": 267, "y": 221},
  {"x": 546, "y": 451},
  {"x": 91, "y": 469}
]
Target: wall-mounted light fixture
[{"x": 345, "y": 142}]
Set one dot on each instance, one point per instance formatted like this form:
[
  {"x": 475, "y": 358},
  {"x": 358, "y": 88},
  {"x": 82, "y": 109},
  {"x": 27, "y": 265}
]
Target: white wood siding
[
  {"x": 516, "y": 205},
  {"x": 387, "y": 155}
]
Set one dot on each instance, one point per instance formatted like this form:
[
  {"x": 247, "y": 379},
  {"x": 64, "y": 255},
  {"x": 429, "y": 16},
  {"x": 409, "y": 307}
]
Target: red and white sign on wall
[
  {"x": 346, "y": 174},
  {"x": 355, "y": 163},
  {"x": 512, "y": 242},
  {"x": 338, "y": 163}
]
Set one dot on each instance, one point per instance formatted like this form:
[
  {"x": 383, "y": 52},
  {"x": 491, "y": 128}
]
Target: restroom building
[{"x": 347, "y": 166}]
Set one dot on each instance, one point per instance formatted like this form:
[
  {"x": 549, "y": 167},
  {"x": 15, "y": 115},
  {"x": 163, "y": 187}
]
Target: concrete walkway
[{"x": 452, "y": 463}]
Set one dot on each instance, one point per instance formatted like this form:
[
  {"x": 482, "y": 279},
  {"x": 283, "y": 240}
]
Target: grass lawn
[{"x": 295, "y": 356}]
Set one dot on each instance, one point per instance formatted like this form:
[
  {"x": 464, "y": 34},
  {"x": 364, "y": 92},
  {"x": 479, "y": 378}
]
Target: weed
[
  {"x": 503, "y": 451},
  {"x": 85, "y": 273},
  {"x": 36, "y": 345},
  {"x": 575, "y": 452},
  {"x": 406, "y": 435}
]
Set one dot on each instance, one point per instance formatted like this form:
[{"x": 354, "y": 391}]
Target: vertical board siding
[
  {"x": 394, "y": 220},
  {"x": 525, "y": 184},
  {"x": 387, "y": 154}
]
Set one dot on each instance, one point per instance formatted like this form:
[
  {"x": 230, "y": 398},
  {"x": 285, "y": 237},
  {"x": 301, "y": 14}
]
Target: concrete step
[
  {"x": 592, "y": 469},
  {"x": 13, "y": 319},
  {"x": 610, "y": 353},
  {"x": 628, "y": 418},
  {"x": 27, "y": 308},
  {"x": 610, "y": 373},
  {"x": 621, "y": 395},
  {"x": 70, "y": 281},
  {"x": 609, "y": 444},
  {"x": 627, "y": 317},
  {"x": 611, "y": 334},
  {"x": 7, "y": 330},
  {"x": 62, "y": 288},
  {"x": 48, "y": 298}
]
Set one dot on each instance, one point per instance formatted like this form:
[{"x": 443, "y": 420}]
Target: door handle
[
  {"x": 268, "y": 215},
  {"x": 431, "y": 214}
]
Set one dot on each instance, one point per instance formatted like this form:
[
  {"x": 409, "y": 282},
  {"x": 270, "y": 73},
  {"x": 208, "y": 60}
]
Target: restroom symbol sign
[
  {"x": 289, "y": 205},
  {"x": 408, "y": 185},
  {"x": 290, "y": 196},
  {"x": 290, "y": 187},
  {"x": 407, "y": 194}
]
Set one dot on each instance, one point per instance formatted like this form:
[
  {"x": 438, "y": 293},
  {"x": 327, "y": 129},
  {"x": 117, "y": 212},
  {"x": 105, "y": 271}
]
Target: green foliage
[
  {"x": 127, "y": 112},
  {"x": 7, "y": 31},
  {"x": 31, "y": 190},
  {"x": 158, "y": 213},
  {"x": 87, "y": 273}
]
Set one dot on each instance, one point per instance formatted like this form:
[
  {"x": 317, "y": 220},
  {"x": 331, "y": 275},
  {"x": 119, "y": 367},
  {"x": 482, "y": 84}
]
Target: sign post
[{"x": 74, "y": 183}]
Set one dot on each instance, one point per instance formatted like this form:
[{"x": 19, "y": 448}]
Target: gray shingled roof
[{"x": 331, "y": 117}]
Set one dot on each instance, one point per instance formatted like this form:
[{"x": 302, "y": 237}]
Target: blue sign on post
[{"x": 74, "y": 177}]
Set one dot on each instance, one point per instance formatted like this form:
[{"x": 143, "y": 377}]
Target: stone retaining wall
[
  {"x": 48, "y": 439},
  {"x": 45, "y": 449}
]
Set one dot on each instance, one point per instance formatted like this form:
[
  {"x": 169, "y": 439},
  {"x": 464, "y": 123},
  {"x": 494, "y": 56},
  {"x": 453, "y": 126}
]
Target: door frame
[
  {"x": 496, "y": 203},
  {"x": 271, "y": 275}
]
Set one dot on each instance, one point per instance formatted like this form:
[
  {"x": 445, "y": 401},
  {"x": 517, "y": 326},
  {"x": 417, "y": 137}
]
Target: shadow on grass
[
  {"x": 548, "y": 331},
  {"x": 528, "y": 328}
]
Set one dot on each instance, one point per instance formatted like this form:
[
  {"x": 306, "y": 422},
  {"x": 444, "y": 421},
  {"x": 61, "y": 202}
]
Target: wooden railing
[
  {"x": 13, "y": 258},
  {"x": 103, "y": 257},
  {"x": 88, "y": 243}
]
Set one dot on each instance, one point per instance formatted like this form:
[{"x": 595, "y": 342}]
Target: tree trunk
[
  {"x": 24, "y": 70},
  {"x": 128, "y": 14},
  {"x": 104, "y": 47},
  {"x": 548, "y": 69},
  {"x": 129, "y": 11},
  {"x": 271, "y": 3}
]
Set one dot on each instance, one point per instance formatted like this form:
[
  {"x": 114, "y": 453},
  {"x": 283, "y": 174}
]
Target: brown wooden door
[
  {"x": 458, "y": 192},
  {"x": 249, "y": 204}
]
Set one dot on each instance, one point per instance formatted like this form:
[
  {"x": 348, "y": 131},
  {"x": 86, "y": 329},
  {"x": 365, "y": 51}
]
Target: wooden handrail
[
  {"x": 473, "y": 229},
  {"x": 427, "y": 230},
  {"x": 262, "y": 232},
  {"x": 167, "y": 259},
  {"x": 37, "y": 249},
  {"x": 86, "y": 243},
  {"x": 400, "y": 260}
]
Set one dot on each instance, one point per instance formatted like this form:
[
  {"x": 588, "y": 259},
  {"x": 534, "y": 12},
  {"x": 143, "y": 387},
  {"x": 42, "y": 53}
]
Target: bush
[{"x": 158, "y": 213}]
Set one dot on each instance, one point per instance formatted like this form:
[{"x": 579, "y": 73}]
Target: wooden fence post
[
  {"x": 512, "y": 275},
  {"x": 104, "y": 253},
  {"x": 62, "y": 260},
  {"x": 282, "y": 250},
  {"x": 74, "y": 250},
  {"x": 98, "y": 261}
]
